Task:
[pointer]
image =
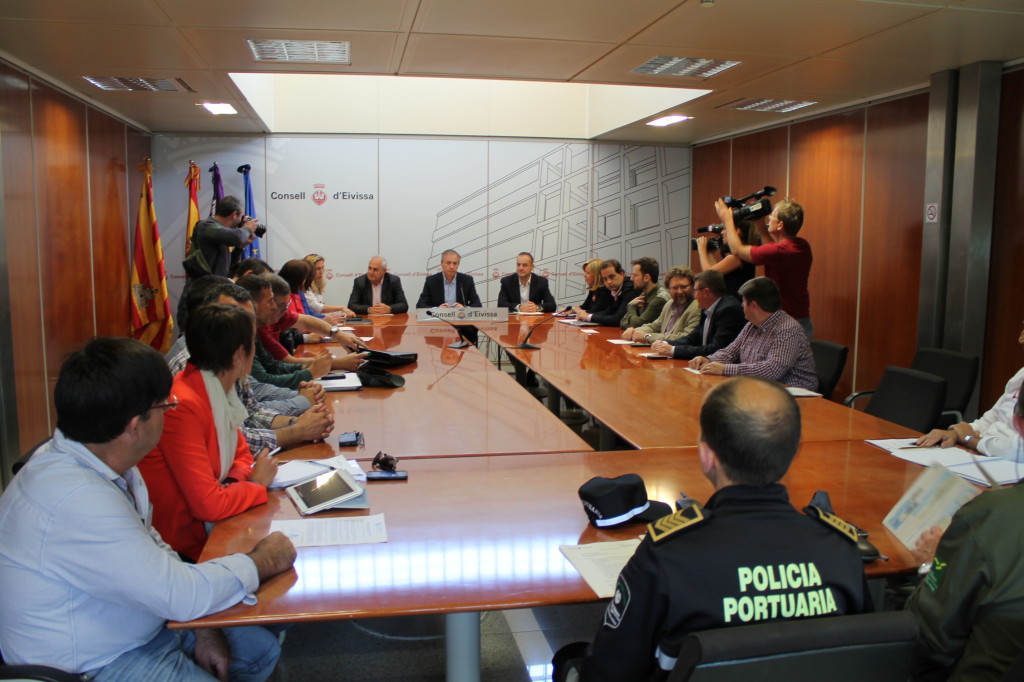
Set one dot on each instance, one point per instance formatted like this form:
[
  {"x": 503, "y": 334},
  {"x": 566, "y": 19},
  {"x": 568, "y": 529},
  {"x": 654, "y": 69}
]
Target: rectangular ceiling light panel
[
  {"x": 300, "y": 51},
  {"x": 775, "y": 106},
  {"x": 693, "y": 67},
  {"x": 134, "y": 84}
]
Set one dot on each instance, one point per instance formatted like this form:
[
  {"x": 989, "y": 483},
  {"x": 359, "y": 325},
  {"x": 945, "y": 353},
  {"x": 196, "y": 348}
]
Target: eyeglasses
[
  {"x": 385, "y": 462},
  {"x": 171, "y": 404}
]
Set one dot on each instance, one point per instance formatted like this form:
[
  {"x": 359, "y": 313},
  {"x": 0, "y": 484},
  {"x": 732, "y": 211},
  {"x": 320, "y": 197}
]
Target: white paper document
[
  {"x": 798, "y": 392},
  {"x": 620, "y": 342},
  {"x": 653, "y": 356},
  {"x": 599, "y": 563},
  {"x": 961, "y": 462},
  {"x": 578, "y": 323},
  {"x": 690, "y": 369},
  {"x": 297, "y": 471},
  {"x": 932, "y": 500},
  {"x": 349, "y": 530}
]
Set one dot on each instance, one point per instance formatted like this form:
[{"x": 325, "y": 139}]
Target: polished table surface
[
  {"x": 482, "y": 533},
  {"x": 454, "y": 402}
]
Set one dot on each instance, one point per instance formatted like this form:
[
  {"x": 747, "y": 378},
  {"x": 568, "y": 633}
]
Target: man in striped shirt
[{"x": 772, "y": 345}]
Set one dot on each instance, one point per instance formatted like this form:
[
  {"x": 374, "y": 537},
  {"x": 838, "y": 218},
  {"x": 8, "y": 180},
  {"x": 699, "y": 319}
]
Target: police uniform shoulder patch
[
  {"x": 847, "y": 530},
  {"x": 671, "y": 525}
]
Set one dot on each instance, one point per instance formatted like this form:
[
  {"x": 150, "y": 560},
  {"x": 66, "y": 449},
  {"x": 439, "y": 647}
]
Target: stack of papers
[
  {"x": 578, "y": 323},
  {"x": 299, "y": 470},
  {"x": 342, "y": 382},
  {"x": 963, "y": 463}
]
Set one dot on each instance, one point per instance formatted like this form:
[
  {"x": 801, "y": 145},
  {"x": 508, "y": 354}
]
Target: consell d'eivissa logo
[{"x": 320, "y": 196}]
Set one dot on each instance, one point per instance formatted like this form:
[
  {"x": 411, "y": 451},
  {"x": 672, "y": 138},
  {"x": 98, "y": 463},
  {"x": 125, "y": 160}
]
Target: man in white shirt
[{"x": 86, "y": 584}]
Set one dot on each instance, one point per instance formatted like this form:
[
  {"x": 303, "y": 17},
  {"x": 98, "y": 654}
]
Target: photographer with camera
[
  {"x": 785, "y": 256},
  {"x": 228, "y": 227},
  {"x": 714, "y": 254}
]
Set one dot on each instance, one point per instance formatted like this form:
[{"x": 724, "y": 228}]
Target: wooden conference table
[
  {"x": 474, "y": 534},
  {"x": 471, "y": 534}
]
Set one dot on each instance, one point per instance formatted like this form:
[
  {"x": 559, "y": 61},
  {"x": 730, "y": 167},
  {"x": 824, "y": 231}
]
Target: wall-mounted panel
[
  {"x": 62, "y": 202},
  {"x": 108, "y": 187},
  {"x": 1003, "y": 355},
  {"x": 826, "y": 172},
  {"x": 23, "y": 272},
  {"x": 893, "y": 220},
  {"x": 711, "y": 179}
]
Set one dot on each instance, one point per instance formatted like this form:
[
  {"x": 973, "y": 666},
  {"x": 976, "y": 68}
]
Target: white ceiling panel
[
  {"x": 498, "y": 57},
  {"x": 352, "y": 15},
  {"x": 611, "y": 21}
]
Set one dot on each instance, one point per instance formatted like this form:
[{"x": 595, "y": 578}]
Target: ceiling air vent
[
  {"x": 118, "y": 83},
  {"x": 693, "y": 67},
  {"x": 775, "y": 106},
  {"x": 300, "y": 51}
]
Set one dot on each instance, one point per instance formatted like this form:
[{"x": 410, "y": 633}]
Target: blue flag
[{"x": 253, "y": 249}]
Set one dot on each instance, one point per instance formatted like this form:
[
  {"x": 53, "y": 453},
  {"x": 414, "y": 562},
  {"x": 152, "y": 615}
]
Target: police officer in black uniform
[{"x": 746, "y": 557}]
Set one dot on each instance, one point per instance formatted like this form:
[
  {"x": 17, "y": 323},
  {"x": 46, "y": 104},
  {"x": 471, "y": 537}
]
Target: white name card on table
[{"x": 467, "y": 315}]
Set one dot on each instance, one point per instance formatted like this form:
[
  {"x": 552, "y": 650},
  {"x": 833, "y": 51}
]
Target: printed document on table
[
  {"x": 599, "y": 563},
  {"x": 349, "y": 530},
  {"x": 932, "y": 500},
  {"x": 961, "y": 462}
]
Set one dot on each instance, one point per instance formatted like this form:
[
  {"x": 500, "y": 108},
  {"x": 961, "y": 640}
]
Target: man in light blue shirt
[{"x": 86, "y": 584}]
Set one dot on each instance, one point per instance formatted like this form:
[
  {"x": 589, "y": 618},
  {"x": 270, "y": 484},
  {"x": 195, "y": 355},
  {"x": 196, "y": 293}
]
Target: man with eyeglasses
[
  {"x": 677, "y": 319},
  {"x": 86, "y": 584},
  {"x": 785, "y": 256},
  {"x": 721, "y": 319}
]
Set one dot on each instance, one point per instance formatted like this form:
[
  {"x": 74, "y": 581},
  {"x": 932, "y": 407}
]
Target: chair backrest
[
  {"x": 829, "y": 363},
  {"x": 960, "y": 370},
  {"x": 909, "y": 398},
  {"x": 23, "y": 460},
  {"x": 871, "y": 646}
]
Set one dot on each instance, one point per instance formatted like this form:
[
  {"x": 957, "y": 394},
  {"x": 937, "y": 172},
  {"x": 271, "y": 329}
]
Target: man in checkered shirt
[{"x": 772, "y": 345}]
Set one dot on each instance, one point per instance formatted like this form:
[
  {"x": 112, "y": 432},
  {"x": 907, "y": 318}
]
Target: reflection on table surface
[{"x": 482, "y": 533}]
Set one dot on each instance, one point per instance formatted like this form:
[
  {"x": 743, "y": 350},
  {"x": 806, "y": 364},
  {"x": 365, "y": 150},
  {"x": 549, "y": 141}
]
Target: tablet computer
[{"x": 324, "y": 491}]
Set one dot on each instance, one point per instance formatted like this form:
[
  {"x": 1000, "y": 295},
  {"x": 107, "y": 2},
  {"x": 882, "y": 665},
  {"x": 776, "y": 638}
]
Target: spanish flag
[
  {"x": 192, "y": 182},
  {"x": 151, "y": 307}
]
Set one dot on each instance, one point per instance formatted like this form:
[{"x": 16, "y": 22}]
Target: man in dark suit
[
  {"x": 721, "y": 319},
  {"x": 449, "y": 288},
  {"x": 525, "y": 292},
  {"x": 622, "y": 292},
  {"x": 378, "y": 292}
]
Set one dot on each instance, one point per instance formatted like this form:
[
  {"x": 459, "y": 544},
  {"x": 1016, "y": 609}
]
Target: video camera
[{"x": 741, "y": 210}]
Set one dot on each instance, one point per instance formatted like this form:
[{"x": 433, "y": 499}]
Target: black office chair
[
  {"x": 829, "y": 363},
  {"x": 871, "y": 646},
  {"x": 960, "y": 371},
  {"x": 907, "y": 397},
  {"x": 23, "y": 460}
]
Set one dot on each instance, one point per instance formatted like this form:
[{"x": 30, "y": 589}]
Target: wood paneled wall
[
  {"x": 860, "y": 178},
  {"x": 70, "y": 199},
  {"x": 1003, "y": 356}
]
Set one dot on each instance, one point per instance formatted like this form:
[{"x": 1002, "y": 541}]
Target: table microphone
[
  {"x": 523, "y": 345},
  {"x": 462, "y": 342}
]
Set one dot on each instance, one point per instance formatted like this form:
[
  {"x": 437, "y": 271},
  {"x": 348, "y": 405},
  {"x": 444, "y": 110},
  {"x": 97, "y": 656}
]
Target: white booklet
[{"x": 932, "y": 500}]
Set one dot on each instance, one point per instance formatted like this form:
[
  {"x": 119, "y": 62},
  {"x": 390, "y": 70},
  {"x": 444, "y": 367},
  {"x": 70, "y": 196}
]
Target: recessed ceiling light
[
  {"x": 119, "y": 83},
  {"x": 219, "y": 108},
  {"x": 693, "y": 67},
  {"x": 302, "y": 51},
  {"x": 777, "y": 106},
  {"x": 668, "y": 120}
]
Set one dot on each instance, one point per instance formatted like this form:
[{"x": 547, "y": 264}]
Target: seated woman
[
  {"x": 298, "y": 274},
  {"x": 202, "y": 470},
  {"x": 592, "y": 278},
  {"x": 314, "y": 293},
  {"x": 735, "y": 271}
]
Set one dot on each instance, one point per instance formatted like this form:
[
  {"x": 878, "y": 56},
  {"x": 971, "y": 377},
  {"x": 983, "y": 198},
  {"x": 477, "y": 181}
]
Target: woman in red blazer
[{"x": 202, "y": 470}]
